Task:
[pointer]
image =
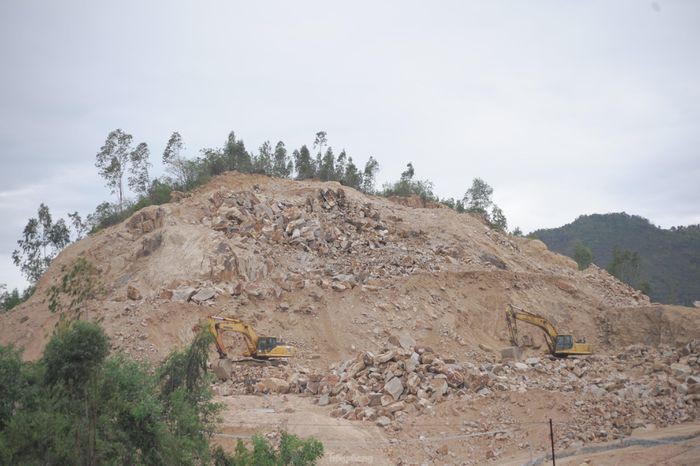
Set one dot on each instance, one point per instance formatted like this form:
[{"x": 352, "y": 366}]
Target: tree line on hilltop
[{"x": 125, "y": 168}]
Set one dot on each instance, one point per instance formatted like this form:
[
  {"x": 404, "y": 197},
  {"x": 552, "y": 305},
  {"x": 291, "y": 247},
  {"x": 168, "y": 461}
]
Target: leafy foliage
[
  {"x": 625, "y": 266},
  {"x": 583, "y": 256},
  {"x": 304, "y": 164},
  {"x": 11, "y": 382},
  {"x": 79, "y": 283},
  {"x": 79, "y": 405},
  {"x": 9, "y": 299},
  {"x": 41, "y": 240},
  {"x": 74, "y": 354},
  {"x": 291, "y": 451},
  {"x": 138, "y": 169},
  {"x": 369, "y": 175},
  {"x": 282, "y": 165},
  {"x": 112, "y": 160},
  {"x": 408, "y": 186},
  {"x": 477, "y": 200},
  {"x": 668, "y": 260}
]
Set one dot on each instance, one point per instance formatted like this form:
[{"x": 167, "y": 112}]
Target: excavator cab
[
  {"x": 563, "y": 342},
  {"x": 266, "y": 344}
]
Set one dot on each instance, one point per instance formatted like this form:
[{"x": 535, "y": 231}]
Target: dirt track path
[
  {"x": 345, "y": 442},
  {"x": 676, "y": 445}
]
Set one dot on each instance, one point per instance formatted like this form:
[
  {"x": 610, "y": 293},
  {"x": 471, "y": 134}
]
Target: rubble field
[{"x": 397, "y": 310}]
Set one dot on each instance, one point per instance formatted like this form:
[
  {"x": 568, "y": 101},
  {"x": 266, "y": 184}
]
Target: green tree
[
  {"x": 138, "y": 169},
  {"x": 477, "y": 199},
  {"x": 9, "y": 299},
  {"x": 11, "y": 383},
  {"x": 352, "y": 176},
  {"x": 304, "y": 164},
  {"x": 235, "y": 155},
  {"x": 340, "y": 166},
  {"x": 73, "y": 355},
  {"x": 583, "y": 256},
  {"x": 326, "y": 171},
  {"x": 625, "y": 266},
  {"x": 79, "y": 405},
  {"x": 182, "y": 170},
  {"x": 320, "y": 141},
  {"x": 498, "y": 219},
  {"x": 80, "y": 227},
  {"x": 41, "y": 240},
  {"x": 263, "y": 161},
  {"x": 281, "y": 166},
  {"x": 517, "y": 231},
  {"x": 113, "y": 160},
  {"x": 369, "y": 175}
]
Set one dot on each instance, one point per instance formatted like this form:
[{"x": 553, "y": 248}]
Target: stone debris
[
  {"x": 133, "y": 293},
  {"x": 353, "y": 241},
  {"x": 613, "y": 292},
  {"x": 203, "y": 295},
  {"x": 183, "y": 294},
  {"x": 610, "y": 395}
]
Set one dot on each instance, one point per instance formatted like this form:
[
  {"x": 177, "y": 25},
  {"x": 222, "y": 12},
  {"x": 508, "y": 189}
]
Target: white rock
[
  {"x": 204, "y": 294},
  {"x": 383, "y": 421},
  {"x": 406, "y": 341},
  {"x": 394, "y": 387},
  {"x": 183, "y": 294}
]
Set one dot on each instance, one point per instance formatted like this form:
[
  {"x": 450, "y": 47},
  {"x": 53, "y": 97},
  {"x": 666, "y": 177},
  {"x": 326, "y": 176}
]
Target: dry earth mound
[
  {"x": 398, "y": 313},
  {"x": 331, "y": 270}
]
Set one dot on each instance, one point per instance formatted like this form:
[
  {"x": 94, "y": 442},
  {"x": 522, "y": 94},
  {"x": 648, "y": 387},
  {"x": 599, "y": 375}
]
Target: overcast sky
[{"x": 565, "y": 108}]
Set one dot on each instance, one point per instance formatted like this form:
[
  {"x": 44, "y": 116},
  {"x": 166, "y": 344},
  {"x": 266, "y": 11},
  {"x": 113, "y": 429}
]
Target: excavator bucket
[{"x": 223, "y": 368}]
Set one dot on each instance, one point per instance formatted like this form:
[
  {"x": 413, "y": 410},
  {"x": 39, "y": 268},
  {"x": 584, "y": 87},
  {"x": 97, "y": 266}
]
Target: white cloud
[{"x": 566, "y": 108}]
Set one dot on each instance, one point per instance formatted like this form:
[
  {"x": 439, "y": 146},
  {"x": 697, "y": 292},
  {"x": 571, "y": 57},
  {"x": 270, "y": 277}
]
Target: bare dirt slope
[
  {"x": 328, "y": 267},
  {"x": 340, "y": 275}
]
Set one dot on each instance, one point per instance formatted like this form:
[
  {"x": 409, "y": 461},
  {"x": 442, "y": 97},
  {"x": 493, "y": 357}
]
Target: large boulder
[
  {"x": 394, "y": 387},
  {"x": 274, "y": 385}
]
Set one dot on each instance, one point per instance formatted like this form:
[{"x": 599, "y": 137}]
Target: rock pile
[
  {"x": 347, "y": 243},
  {"x": 382, "y": 387},
  {"x": 604, "y": 396},
  {"x": 613, "y": 292}
]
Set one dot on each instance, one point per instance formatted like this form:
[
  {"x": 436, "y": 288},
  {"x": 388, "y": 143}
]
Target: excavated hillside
[{"x": 342, "y": 276}]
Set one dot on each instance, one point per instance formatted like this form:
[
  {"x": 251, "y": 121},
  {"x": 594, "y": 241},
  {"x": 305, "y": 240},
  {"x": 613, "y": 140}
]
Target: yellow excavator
[
  {"x": 257, "y": 347},
  {"x": 559, "y": 345}
]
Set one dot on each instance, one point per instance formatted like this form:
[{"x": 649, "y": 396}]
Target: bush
[
  {"x": 73, "y": 355},
  {"x": 583, "y": 256},
  {"x": 407, "y": 186},
  {"x": 292, "y": 451},
  {"x": 79, "y": 405}
]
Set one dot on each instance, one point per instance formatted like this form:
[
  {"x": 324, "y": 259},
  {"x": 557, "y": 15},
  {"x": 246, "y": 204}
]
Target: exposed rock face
[{"x": 609, "y": 395}]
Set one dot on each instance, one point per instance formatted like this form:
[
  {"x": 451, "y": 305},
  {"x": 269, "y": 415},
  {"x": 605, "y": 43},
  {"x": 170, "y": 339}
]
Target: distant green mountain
[{"x": 669, "y": 259}]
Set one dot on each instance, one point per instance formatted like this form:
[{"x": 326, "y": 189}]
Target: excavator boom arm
[
  {"x": 550, "y": 332},
  {"x": 217, "y": 324}
]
